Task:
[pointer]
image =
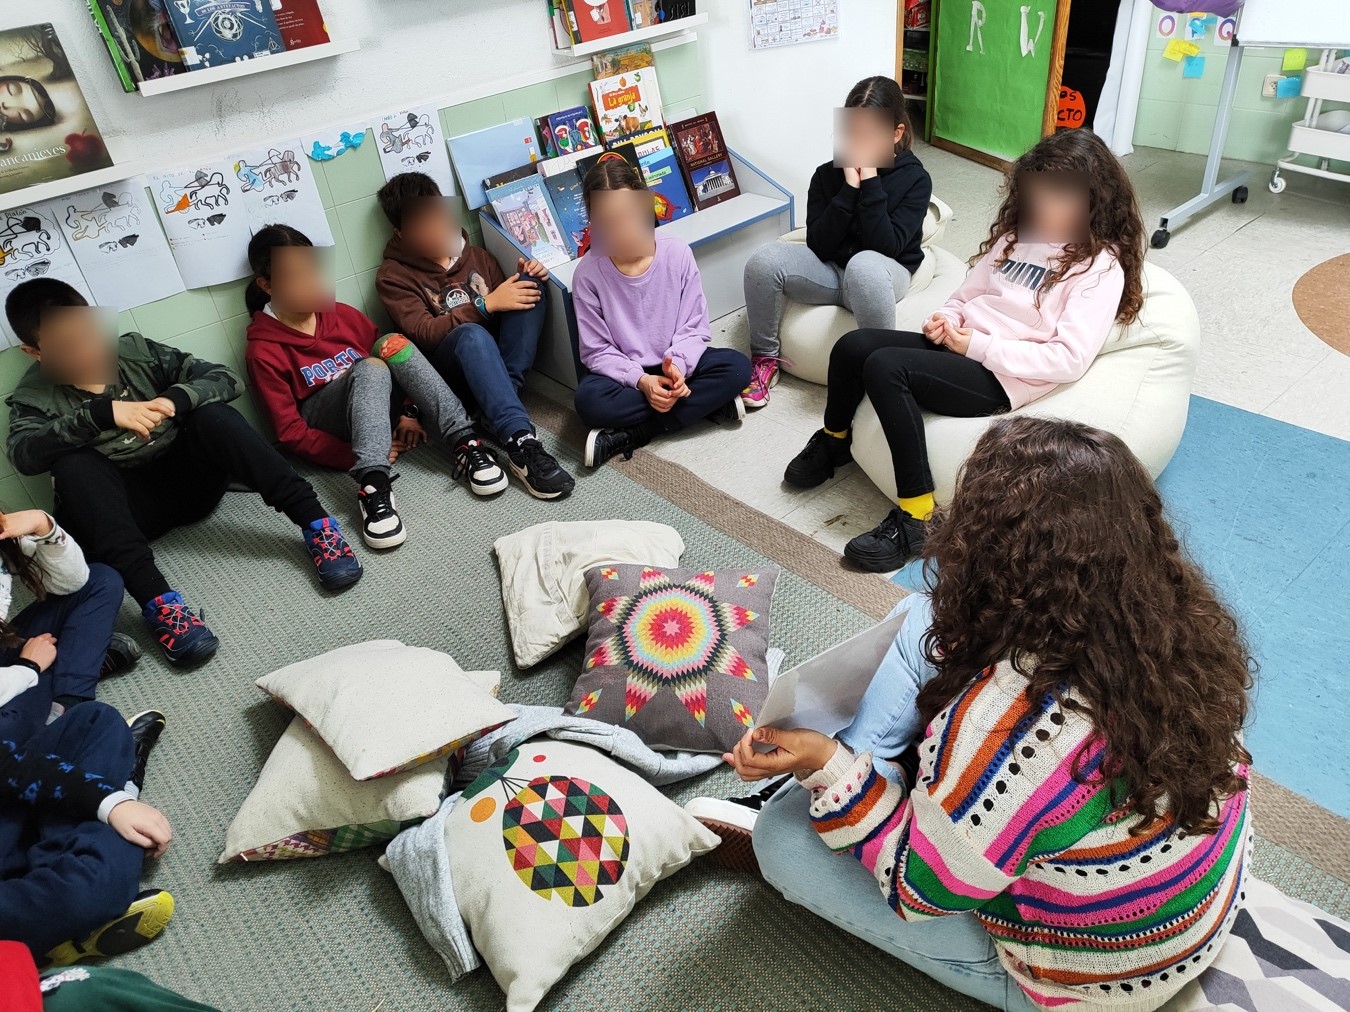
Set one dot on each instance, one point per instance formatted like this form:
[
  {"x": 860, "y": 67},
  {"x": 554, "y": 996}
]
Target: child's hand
[
  {"x": 24, "y": 522},
  {"x": 512, "y": 294},
  {"x": 139, "y": 417},
  {"x": 672, "y": 372},
  {"x": 933, "y": 327},
  {"x": 796, "y": 751},
  {"x": 956, "y": 339},
  {"x": 657, "y": 390},
  {"x": 142, "y": 825},
  {"x": 41, "y": 650},
  {"x": 164, "y": 406},
  {"x": 852, "y": 177},
  {"x": 408, "y": 435},
  {"x": 533, "y": 268},
  {"x": 867, "y": 174}
]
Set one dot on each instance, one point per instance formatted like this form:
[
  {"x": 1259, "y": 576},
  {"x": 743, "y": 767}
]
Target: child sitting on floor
[
  {"x": 327, "y": 379},
  {"x": 139, "y": 440},
  {"x": 642, "y": 325},
  {"x": 479, "y": 329}
]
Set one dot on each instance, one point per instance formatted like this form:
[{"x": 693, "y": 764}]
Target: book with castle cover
[
  {"x": 300, "y": 22},
  {"x": 212, "y": 33},
  {"x": 139, "y": 38},
  {"x": 627, "y": 104},
  {"x": 526, "y": 214},
  {"x": 46, "y": 129},
  {"x": 703, "y": 155}
]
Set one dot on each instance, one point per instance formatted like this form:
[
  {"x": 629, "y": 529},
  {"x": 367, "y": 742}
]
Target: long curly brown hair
[
  {"x": 1054, "y": 554},
  {"x": 1114, "y": 221}
]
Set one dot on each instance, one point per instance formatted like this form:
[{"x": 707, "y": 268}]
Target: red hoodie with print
[{"x": 286, "y": 365}]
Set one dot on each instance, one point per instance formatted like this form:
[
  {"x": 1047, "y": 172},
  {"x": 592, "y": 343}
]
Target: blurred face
[
  {"x": 20, "y": 105},
  {"x": 865, "y": 139},
  {"x": 78, "y": 345},
  {"x": 430, "y": 229},
  {"x": 302, "y": 280},
  {"x": 1054, "y": 207},
  {"x": 623, "y": 224}
]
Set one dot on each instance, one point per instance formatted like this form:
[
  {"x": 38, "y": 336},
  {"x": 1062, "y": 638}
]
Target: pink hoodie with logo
[{"x": 1031, "y": 349}]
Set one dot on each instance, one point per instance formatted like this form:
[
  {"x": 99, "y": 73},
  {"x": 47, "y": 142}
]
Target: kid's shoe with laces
[
  {"x": 381, "y": 526},
  {"x": 146, "y": 727},
  {"x": 476, "y": 462},
  {"x": 605, "y": 444},
  {"x": 140, "y": 925},
  {"x": 764, "y": 370},
  {"x": 816, "y": 464},
  {"x": 122, "y": 654},
  {"x": 732, "y": 411},
  {"x": 889, "y": 545},
  {"x": 543, "y": 476},
  {"x": 182, "y": 636},
  {"x": 733, "y": 819},
  {"x": 333, "y": 557}
]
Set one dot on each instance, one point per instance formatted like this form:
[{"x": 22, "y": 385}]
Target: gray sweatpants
[
  {"x": 869, "y": 287},
  {"x": 358, "y": 405}
]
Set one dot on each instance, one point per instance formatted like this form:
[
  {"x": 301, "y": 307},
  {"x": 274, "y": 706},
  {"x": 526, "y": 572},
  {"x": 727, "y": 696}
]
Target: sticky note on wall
[
  {"x": 1193, "y": 66},
  {"x": 1294, "y": 59},
  {"x": 1288, "y": 87},
  {"x": 1178, "y": 50}
]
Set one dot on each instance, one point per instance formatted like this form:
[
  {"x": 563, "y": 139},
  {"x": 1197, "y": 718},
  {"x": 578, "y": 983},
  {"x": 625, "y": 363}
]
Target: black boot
[{"x": 146, "y": 727}]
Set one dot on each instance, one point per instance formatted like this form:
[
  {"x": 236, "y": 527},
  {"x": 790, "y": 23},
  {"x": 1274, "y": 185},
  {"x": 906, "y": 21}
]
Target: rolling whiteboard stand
[{"x": 1212, "y": 190}]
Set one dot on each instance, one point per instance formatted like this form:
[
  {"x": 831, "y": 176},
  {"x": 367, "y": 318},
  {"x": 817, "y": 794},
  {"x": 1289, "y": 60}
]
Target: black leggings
[{"x": 904, "y": 373}]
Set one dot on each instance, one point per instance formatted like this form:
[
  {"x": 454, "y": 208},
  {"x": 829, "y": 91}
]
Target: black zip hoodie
[{"x": 884, "y": 214}]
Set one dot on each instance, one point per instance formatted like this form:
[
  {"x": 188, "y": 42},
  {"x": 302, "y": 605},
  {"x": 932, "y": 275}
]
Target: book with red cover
[
  {"x": 703, "y": 156},
  {"x": 301, "y": 23},
  {"x": 600, "y": 19}
]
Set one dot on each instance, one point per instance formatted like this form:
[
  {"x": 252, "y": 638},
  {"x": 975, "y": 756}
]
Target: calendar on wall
[{"x": 775, "y": 23}]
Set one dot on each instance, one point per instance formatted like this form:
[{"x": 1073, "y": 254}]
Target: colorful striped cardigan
[{"x": 1082, "y": 913}]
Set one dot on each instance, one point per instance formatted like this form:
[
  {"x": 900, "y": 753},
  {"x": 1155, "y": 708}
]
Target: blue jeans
[
  {"x": 62, "y": 877},
  {"x": 82, "y": 623},
  {"x": 956, "y": 950}
]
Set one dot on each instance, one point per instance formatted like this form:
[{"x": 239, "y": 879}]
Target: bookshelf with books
[
  {"x": 567, "y": 46},
  {"x": 914, "y": 39}
]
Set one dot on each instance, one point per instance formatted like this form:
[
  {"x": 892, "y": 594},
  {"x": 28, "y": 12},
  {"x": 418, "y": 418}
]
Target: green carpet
[{"x": 333, "y": 933}]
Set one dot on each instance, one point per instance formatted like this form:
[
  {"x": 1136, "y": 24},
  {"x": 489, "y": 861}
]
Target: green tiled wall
[{"x": 210, "y": 322}]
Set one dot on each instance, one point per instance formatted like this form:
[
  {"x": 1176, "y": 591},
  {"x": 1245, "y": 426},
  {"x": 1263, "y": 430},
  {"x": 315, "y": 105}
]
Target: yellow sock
[
  {"x": 836, "y": 435},
  {"x": 920, "y": 507}
]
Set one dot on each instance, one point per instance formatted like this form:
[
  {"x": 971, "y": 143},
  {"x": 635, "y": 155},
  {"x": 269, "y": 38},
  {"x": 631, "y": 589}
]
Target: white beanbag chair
[
  {"x": 1139, "y": 387},
  {"x": 807, "y": 333}
]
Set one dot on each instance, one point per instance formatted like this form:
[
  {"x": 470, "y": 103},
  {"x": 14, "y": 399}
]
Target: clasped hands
[
  {"x": 942, "y": 332},
  {"x": 663, "y": 389}
]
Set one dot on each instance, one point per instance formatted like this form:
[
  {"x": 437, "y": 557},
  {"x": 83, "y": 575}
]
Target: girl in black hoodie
[{"x": 864, "y": 226}]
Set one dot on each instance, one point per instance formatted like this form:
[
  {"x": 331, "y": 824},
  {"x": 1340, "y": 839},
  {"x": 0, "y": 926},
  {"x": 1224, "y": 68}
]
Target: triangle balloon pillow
[{"x": 549, "y": 850}]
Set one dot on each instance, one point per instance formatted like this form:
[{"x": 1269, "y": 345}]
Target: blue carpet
[{"x": 1286, "y": 574}]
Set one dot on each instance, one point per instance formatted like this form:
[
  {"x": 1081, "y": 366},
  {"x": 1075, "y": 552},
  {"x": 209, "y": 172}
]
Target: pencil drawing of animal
[
  {"x": 415, "y": 133},
  {"x": 277, "y": 169},
  {"x": 197, "y": 223},
  {"x": 127, "y": 241},
  {"x": 109, "y": 247},
  {"x": 215, "y": 219},
  {"x": 33, "y": 270},
  {"x": 204, "y": 190},
  {"x": 114, "y": 211},
  {"x": 24, "y": 238}
]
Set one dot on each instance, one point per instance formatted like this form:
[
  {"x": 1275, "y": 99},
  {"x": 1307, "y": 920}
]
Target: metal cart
[{"x": 1324, "y": 136}]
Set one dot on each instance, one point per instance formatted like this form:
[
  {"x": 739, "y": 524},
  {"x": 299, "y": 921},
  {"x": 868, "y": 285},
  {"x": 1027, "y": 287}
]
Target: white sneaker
[
  {"x": 381, "y": 526},
  {"x": 474, "y": 460},
  {"x": 733, "y": 819}
]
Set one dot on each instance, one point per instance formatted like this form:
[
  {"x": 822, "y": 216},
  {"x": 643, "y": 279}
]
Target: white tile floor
[{"x": 1239, "y": 262}]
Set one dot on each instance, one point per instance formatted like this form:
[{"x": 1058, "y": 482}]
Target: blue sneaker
[
  {"x": 332, "y": 555},
  {"x": 182, "y": 636}
]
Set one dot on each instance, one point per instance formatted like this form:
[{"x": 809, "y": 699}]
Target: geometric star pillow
[
  {"x": 677, "y": 656},
  {"x": 550, "y": 850}
]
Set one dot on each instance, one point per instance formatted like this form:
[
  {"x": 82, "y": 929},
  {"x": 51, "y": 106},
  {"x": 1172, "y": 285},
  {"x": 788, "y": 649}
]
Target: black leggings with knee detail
[{"x": 904, "y": 374}]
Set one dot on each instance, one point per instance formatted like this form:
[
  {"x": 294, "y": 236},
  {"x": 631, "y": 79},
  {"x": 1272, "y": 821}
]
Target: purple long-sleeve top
[{"x": 627, "y": 324}]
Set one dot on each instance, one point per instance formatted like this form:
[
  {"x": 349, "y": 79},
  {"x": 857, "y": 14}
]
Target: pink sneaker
[{"x": 763, "y": 375}]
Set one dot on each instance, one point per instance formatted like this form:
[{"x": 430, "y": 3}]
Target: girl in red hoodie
[{"x": 327, "y": 379}]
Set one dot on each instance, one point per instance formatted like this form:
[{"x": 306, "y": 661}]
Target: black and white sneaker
[
  {"x": 381, "y": 526},
  {"x": 605, "y": 444},
  {"x": 543, "y": 476},
  {"x": 732, "y": 411},
  {"x": 733, "y": 819},
  {"x": 475, "y": 462},
  {"x": 122, "y": 654},
  {"x": 146, "y": 727},
  {"x": 889, "y": 545}
]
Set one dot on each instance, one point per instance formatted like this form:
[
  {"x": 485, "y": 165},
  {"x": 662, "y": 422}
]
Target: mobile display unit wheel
[
  {"x": 1240, "y": 195},
  {"x": 1160, "y": 238},
  {"x": 1277, "y": 182}
]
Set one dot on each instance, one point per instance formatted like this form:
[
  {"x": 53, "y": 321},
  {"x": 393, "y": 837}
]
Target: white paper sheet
[
  {"x": 205, "y": 221},
  {"x": 411, "y": 140},
  {"x": 276, "y": 186},
  {"x": 775, "y": 23},
  {"x": 823, "y": 693},
  {"x": 32, "y": 245},
  {"x": 116, "y": 240}
]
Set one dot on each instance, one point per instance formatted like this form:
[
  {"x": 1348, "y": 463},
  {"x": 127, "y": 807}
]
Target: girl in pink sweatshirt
[{"x": 1062, "y": 264}]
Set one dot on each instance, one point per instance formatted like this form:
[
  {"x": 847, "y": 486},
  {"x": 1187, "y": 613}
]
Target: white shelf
[
  {"x": 245, "y": 68},
  {"x": 632, "y": 38},
  {"x": 71, "y": 184}
]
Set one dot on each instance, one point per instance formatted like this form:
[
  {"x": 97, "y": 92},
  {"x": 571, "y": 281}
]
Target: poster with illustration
[
  {"x": 205, "y": 221},
  {"x": 411, "y": 140},
  {"x": 276, "y": 186},
  {"x": 33, "y": 246},
  {"x": 46, "y": 130},
  {"x": 117, "y": 242}
]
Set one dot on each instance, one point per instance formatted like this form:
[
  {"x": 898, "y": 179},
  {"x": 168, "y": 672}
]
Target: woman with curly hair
[
  {"x": 1048, "y": 765},
  {"x": 1063, "y": 262}
]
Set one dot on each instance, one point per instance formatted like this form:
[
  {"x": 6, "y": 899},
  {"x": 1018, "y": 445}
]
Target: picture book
[
  {"x": 562, "y": 178},
  {"x": 661, "y": 170},
  {"x": 300, "y": 22},
  {"x": 524, "y": 211},
  {"x": 548, "y": 147},
  {"x": 510, "y": 175},
  {"x": 46, "y": 129},
  {"x": 484, "y": 153},
  {"x": 622, "y": 150},
  {"x": 650, "y": 142},
  {"x": 642, "y": 13},
  {"x": 621, "y": 61},
  {"x": 573, "y": 129},
  {"x": 673, "y": 10},
  {"x": 600, "y": 19},
  {"x": 212, "y": 33},
  {"x": 139, "y": 38},
  {"x": 562, "y": 26},
  {"x": 703, "y": 155},
  {"x": 627, "y": 104}
]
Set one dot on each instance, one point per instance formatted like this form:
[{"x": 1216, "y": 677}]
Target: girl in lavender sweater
[{"x": 642, "y": 325}]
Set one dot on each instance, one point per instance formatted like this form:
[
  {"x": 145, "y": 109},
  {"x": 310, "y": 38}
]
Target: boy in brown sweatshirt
[{"x": 479, "y": 328}]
